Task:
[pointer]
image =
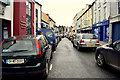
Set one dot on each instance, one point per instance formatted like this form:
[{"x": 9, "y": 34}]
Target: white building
[
  {"x": 115, "y": 20},
  {"x": 101, "y": 15},
  {"x": 37, "y": 17},
  {"x": 6, "y": 19}
]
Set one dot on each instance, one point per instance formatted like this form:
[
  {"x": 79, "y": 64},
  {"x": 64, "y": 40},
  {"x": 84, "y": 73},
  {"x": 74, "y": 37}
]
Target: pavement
[{"x": 102, "y": 43}]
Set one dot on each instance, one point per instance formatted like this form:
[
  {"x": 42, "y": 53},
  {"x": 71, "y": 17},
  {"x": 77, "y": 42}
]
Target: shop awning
[{"x": 87, "y": 28}]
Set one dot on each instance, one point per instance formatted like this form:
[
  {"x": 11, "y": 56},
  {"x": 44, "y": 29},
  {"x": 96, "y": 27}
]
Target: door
[{"x": 114, "y": 54}]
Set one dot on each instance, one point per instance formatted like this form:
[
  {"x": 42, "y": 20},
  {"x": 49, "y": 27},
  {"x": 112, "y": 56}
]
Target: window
[
  {"x": 104, "y": 1},
  {"x": 36, "y": 19},
  {"x": 99, "y": 15},
  {"x": 49, "y": 34},
  {"x": 95, "y": 17},
  {"x": 17, "y": 45},
  {"x": 104, "y": 13},
  {"x": 119, "y": 7},
  {"x": 99, "y": 3},
  {"x": 117, "y": 47},
  {"x": 89, "y": 37},
  {"x": 95, "y": 6},
  {"x": 28, "y": 17}
]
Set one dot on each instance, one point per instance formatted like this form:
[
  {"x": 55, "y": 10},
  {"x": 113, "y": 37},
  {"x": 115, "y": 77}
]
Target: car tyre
[
  {"x": 46, "y": 72},
  {"x": 73, "y": 45},
  {"x": 78, "y": 48},
  {"x": 100, "y": 60}
]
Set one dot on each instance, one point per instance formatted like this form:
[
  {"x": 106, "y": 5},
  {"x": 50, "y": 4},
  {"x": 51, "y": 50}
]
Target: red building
[{"x": 23, "y": 19}]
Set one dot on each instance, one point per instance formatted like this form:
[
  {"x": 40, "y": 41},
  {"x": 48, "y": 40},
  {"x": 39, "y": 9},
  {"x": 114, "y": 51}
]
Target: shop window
[
  {"x": 36, "y": 19},
  {"x": 28, "y": 17},
  {"x": 119, "y": 7}
]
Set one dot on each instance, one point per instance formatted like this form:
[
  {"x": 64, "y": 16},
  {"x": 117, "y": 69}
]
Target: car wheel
[
  {"x": 78, "y": 48},
  {"x": 73, "y": 45},
  {"x": 46, "y": 72},
  {"x": 100, "y": 60},
  {"x": 51, "y": 55}
]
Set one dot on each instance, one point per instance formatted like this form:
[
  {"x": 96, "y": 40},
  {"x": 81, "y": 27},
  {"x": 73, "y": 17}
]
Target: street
[{"x": 70, "y": 63}]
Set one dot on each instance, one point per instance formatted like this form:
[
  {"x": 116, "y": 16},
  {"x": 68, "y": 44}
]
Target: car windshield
[
  {"x": 17, "y": 46},
  {"x": 89, "y": 37},
  {"x": 49, "y": 34}
]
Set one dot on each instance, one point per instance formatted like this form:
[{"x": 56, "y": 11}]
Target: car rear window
[
  {"x": 49, "y": 34},
  {"x": 89, "y": 37},
  {"x": 17, "y": 46}
]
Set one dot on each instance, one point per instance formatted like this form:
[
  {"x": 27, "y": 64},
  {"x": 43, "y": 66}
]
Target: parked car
[
  {"x": 26, "y": 56},
  {"x": 58, "y": 38},
  {"x": 50, "y": 35},
  {"x": 73, "y": 37},
  {"x": 85, "y": 41},
  {"x": 108, "y": 54}
]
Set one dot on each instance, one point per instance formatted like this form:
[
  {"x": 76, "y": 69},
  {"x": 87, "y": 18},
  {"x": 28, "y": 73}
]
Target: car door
[
  {"x": 113, "y": 54},
  {"x": 117, "y": 50}
]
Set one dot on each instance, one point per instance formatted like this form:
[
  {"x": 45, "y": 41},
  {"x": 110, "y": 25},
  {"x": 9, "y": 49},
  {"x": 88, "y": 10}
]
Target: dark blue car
[{"x": 50, "y": 35}]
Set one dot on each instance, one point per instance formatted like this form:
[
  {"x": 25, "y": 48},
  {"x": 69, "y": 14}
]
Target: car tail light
[
  {"x": 97, "y": 41},
  {"x": 54, "y": 41},
  {"x": 38, "y": 48},
  {"x": 81, "y": 41},
  {"x": 17, "y": 39},
  {"x": 1, "y": 42}
]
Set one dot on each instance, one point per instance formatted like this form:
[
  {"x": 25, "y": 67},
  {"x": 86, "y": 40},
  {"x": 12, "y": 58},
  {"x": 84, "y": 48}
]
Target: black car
[
  {"x": 26, "y": 56},
  {"x": 108, "y": 54}
]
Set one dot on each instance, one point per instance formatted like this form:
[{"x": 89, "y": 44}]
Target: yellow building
[
  {"x": 45, "y": 20},
  {"x": 85, "y": 20},
  {"x": 52, "y": 24},
  {"x": 75, "y": 20}
]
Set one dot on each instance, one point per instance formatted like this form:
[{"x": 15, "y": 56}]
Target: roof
[{"x": 38, "y": 3}]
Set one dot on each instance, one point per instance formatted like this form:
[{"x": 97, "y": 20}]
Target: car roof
[{"x": 24, "y": 37}]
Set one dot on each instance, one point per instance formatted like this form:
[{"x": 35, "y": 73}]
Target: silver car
[{"x": 85, "y": 40}]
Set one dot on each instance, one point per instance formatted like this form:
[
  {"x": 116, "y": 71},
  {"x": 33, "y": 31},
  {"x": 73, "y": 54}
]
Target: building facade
[
  {"x": 52, "y": 24},
  {"x": 45, "y": 20},
  {"x": 85, "y": 20},
  {"x": 115, "y": 21},
  {"x": 6, "y": 19},
  {"x": 101, "y": 15},
  {"x": 37, "y": 17},
  {"x": 23, "y": 17}
]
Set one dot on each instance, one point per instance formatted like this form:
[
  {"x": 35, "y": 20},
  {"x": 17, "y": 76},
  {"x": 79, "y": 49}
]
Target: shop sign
[
  {"x": 100, "y": 24},
  {"x": 85, "y": 22}
]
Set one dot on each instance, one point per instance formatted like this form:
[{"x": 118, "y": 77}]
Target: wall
[
  {"x": 45, "y": 17},
  {"x": 101, "y": 8},
  {"x": 19, "y": 15},
  {"x": 38, "y": 7}
]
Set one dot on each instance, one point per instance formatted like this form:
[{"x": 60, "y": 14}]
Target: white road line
[
  {"x": 54, "y": 51},
  {"x": 50, "y": 67}
]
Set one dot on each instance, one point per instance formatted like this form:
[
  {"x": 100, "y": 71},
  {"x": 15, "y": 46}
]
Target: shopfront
[
  {"x": 102, "y": 30},
  {"x": 115, "y": 31},
  {"x": 5, "y": 23}
]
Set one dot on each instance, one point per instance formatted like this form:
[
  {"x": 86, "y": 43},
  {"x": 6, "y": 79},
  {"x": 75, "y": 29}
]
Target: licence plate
[
  {"x": 90, "y": 45},
  {"x": 14, "y": 61}
]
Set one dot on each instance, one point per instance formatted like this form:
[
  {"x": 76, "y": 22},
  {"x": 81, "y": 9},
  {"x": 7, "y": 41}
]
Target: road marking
[
  {"x": 50, "y": 67},
  {"x": 54, "y": 51}
]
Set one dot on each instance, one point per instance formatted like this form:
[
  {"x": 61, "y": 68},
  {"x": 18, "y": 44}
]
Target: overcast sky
[{"x": 63, "y": 11}]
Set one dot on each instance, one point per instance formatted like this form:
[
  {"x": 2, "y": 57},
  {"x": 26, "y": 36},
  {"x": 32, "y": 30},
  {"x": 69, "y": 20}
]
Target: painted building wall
[
  {"x": 39, "y": 8},
  {"x": 86, "y": 18},
  {"x": 100, "y": 6},
  {"x": 101, "y": 15},
  {"x": 52, "y": 23},
  {"x": 45, "y": 17},
  {"x": 19, "y": 18}
]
